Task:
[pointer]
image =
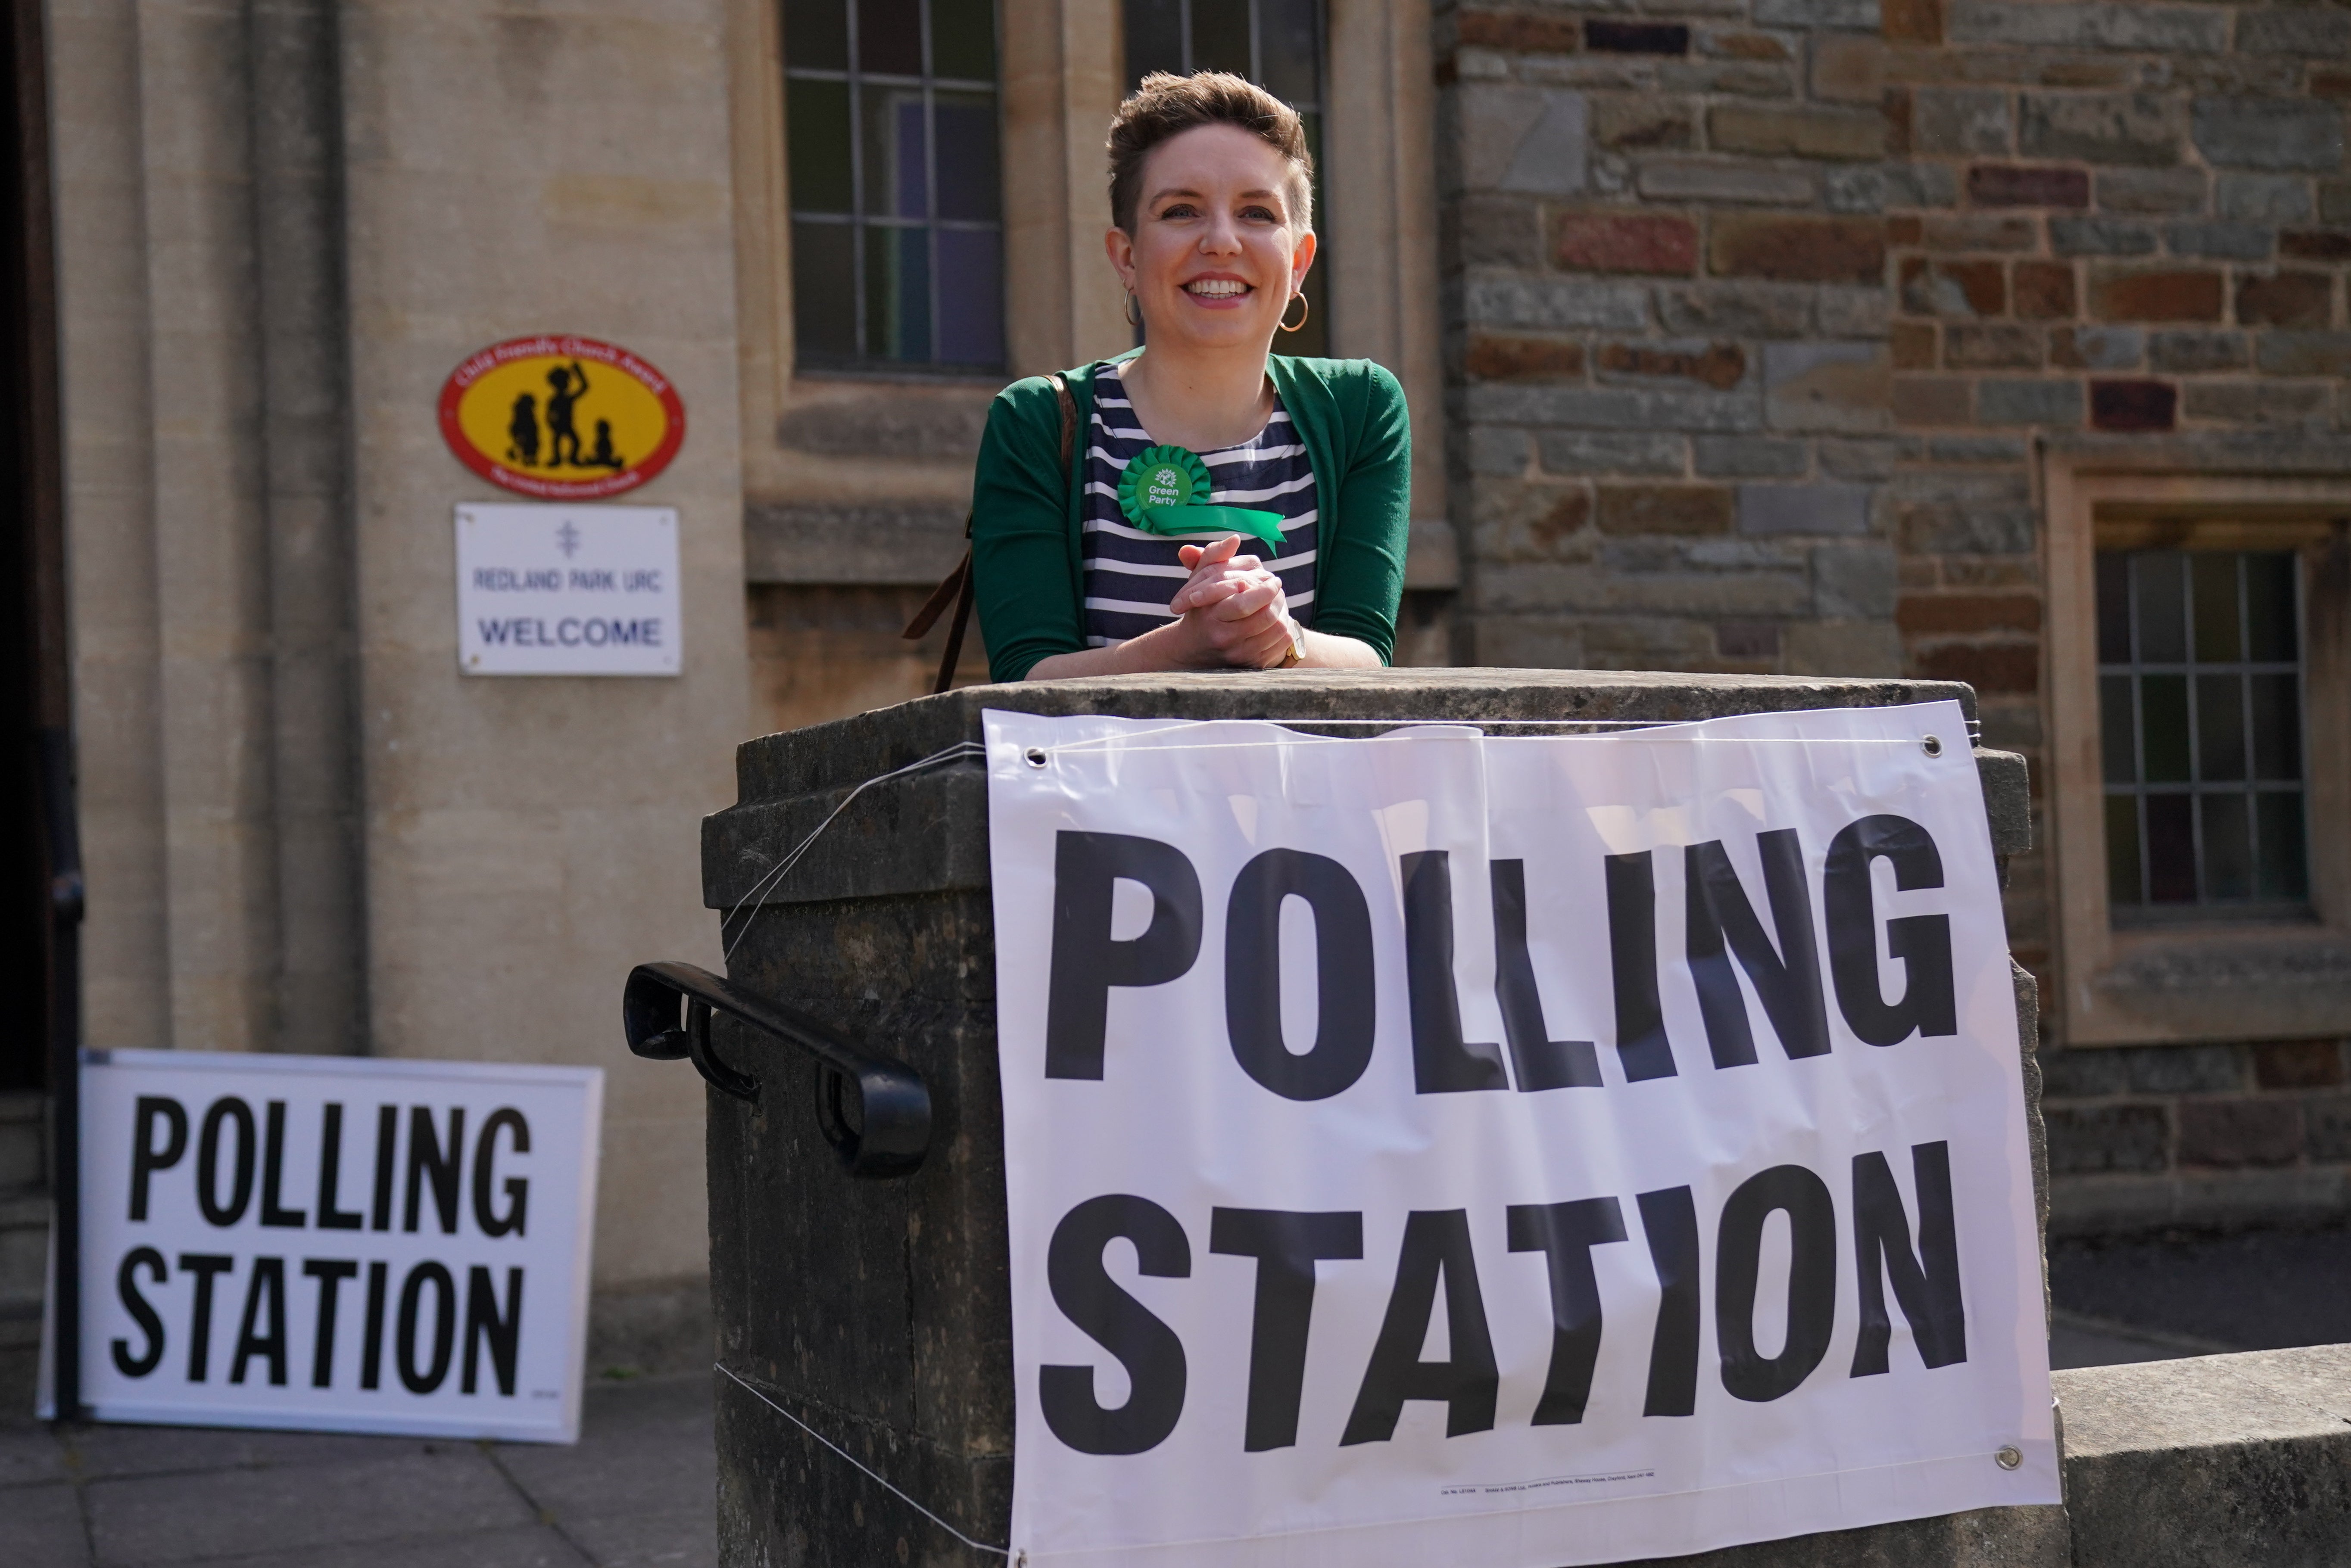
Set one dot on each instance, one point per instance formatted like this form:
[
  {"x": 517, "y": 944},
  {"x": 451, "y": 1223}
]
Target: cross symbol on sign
[{"x": 567, "y": 539}]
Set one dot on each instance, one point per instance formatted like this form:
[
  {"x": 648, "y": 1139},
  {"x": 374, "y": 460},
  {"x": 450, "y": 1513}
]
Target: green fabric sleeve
[
  {"x": 1366, "y": 513},
  {"x": 1022, "y": 564}
]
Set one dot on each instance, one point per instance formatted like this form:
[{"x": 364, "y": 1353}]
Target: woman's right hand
[{"x": 1235, "y": 613}]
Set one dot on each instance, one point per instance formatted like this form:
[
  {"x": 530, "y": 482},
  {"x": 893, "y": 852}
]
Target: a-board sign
[
  {"x": 1440, "y": 1149},
  {"x": 561, "y": 418},
  {"x": 567, "y": 590},
  {"x": 335, "y": 1243}
]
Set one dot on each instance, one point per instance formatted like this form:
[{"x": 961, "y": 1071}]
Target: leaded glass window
[
  {"x": 898, "y": 216},
  {"x": 1276, "y": 44},
  {"x": 2200, "y": 702}
]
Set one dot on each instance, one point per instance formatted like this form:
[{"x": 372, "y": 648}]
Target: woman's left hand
[{"x": 1221, "y": 575}]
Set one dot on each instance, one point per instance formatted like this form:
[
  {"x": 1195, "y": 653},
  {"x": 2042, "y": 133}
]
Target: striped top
[{"x": 1130, "y": 574}]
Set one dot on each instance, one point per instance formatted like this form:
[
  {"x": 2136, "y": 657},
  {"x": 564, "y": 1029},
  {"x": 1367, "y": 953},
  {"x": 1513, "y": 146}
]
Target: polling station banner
[
  {"x": 1442, "y": 1148},
  {"x": 335, "y": 1243}
]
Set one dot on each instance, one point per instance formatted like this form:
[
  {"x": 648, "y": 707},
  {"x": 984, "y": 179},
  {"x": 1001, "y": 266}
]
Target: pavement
[{"x": 639, "y": 1489}]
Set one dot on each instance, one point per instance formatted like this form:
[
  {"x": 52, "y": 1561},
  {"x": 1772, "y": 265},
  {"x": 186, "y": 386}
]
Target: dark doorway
[{"x": 39, "y": 873}]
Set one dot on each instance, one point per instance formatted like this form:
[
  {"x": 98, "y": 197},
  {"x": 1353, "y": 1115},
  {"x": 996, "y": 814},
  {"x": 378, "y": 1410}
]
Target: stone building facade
[{"x": 1834, "y": 337}]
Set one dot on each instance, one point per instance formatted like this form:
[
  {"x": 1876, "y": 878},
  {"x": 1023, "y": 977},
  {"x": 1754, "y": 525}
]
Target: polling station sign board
[
  {"x": 567, "y": 590},
  {"x": 1521, "y": 1151},
  {"x": 337, "y": 1243}
]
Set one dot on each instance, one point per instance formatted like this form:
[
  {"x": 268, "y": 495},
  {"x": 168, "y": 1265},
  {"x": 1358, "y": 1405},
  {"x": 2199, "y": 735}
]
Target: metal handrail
[{"x": 884, "y": 1131}]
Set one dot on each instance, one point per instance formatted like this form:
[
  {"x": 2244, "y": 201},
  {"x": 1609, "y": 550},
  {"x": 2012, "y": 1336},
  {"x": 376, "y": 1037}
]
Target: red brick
[
  {"x": 2175, "y": 296},
  {"x": 1720, "y": 365},
  {"x": 2285, "y": 299},
  {"x": 1624, "y": 242},
  {"x": 1994, "y": 667},
  {"x": 2023, "y": 186},
  {"x": 1566, "y": 517},
  {"x": 1963, "y": 232},
  {"x": 1517, "y": 30},
  {"x": 1997, "y": 347},
  {"x": 1750, "y": 46},
  {"x": 2298, "y": 1063},
  {"x": 2330, "y": 84},
  {"x": 2315, "y": 244},
  {"x": 1961, "y": 614},
  {"x": 1524, "y": 359},
  {"x": 2231, "y": 1133},
  {"x": 1913, "y": 344},
  {"x": 1953, "y": 288},
  {"x": 1798, "y": 250},
  {"x": 2134, "y": 405},
  {"x": 1904, "y": 230},
  {"x": 1665, "y": 509},
  {"x": 1911, "y": 20},
  {"x": 2044, "y": 291}
]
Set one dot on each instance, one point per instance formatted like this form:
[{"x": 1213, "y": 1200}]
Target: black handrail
[{"x": 886, "y": 1132}]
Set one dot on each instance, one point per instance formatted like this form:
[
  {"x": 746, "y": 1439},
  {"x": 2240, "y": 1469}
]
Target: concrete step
[
  {"x": 23, "y": 1137},
  {"x": 24, "y": 1210}
]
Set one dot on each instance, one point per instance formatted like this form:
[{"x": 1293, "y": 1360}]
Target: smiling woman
[{"x": 1079, "y": 545}]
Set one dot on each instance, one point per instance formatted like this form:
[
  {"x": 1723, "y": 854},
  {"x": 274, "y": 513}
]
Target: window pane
[
  {"x": 2162, "y": 609},
  {"x": 2170, "y": 850},
  {"x": 890, "y": 37},
  {"x": 1154, "y": 38},
  {"x": 963, "y": 40},
  {"x": 824, "y": 302},
  {"x": 816, "y": 35},
  {"x": 2214, "y": 578},
  {"x": 2116, "y": 741},
  {"x": 2277, "y": 727},
  {"x": 2122, "y": 850},
  {"x": 1221, "y": 37},
  {"x": 2113, "y": 608},
  {"x": 2219, "y": 728},
  {"x": 816, "y": 119},
  {"x": 1289, "y": 50},
  {"x": 2270, "y": 613},
  {"x": 898, "y": 292},
  {"x": 897, "y": 183},
  {"x": 971, "y": 297},
  {"x": 2279, "y": 818},
  {"x": 2228, "y": 847},
  {"x": 967, "y": 155},
  {"x": 2163, "y": 715}
]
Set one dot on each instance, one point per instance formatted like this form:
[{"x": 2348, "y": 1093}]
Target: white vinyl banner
[
  {"x": 1438, "y": 1149},
  {"x": 335, "y": 1243}
]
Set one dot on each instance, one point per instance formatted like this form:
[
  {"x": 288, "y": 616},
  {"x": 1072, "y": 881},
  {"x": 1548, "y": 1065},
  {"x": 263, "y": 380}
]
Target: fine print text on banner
[{"x": 1439, "y": 1147}]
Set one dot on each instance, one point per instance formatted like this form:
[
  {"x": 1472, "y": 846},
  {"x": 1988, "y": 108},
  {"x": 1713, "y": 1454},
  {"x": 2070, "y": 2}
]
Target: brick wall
[{"x": 1756, "y": 306}]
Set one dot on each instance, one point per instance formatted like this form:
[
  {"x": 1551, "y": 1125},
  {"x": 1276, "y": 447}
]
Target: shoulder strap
[{"x": 956, "y": 586}]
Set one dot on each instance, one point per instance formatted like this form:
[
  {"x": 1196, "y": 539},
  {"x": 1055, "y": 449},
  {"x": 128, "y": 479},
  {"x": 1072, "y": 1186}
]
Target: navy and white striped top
[{"x": 1130, "y": 574}]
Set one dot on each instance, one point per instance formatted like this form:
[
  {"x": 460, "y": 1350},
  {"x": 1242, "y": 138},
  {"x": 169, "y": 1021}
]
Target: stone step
[
  {"x": 24, "y": 1213},
  {"x": 22, "y": 1135}
]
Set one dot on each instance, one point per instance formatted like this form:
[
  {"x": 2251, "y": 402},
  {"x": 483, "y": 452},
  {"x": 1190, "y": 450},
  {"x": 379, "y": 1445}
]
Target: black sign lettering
[
  {"x": 1443, "y": 1063},
  {"x": 1086, "y": 961},
  {"x": 1921, "y": 943},
  {"x": 1565, "y": 1234},
  {"x": 1345, "y": 1011},
  {"x": 224, "y": 1111},
  {"x": 518, "y": 1188},
  {"x": 266, "y": 1291},
  {"x": 273, "y": 1169},
  {"x": 1669, "y": 1226},
  {"x": 330, "y": 1170},
  {"x": 1537, "y": 1061},
  {"x": 126, "y": 1286},
  {"x": 427, "y": 1156},
  {"x": 1148, "y": 1349},
  {"x": 387, "y": 1141},
  {"x": 1641, "y": 1043},
  {"x": 206, "y": 1267},
  {"x": 485, "y": 1323},
  {"x": 428, "y": 1378},
  {"x": 1787, "y": 979},
  {"x": 1926, "y": 1285},
  {"x": 1435, "y": 1243},
  {"x": 145, "y": 1158},
  {"x": 1286, "y": 1247},
  {"x": 371, "y": 1345},
  {"x": 330, "y": 1273},
  {"x": 1812, "y": 1281}
]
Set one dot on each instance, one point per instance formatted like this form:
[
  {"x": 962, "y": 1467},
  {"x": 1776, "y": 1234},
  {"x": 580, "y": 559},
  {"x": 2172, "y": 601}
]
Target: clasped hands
[{"x": 1234, "y": 612}]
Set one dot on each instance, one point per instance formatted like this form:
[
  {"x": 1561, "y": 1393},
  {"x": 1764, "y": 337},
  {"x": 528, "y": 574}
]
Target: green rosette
[{"x": 1164, "y": 490}]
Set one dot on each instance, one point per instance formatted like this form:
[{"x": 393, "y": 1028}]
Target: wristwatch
[{"x": 1297, "y": 654}]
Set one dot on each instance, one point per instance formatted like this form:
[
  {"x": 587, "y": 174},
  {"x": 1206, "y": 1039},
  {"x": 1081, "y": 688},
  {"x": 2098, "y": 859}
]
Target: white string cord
[{"x": 870, "y": 1473}]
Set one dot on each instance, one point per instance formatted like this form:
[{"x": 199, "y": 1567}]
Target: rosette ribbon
[{"x": 1164, "y": 490}]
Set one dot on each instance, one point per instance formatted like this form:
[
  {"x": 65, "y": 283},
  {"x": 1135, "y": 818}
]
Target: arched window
[{"x": 897, "y": 211}]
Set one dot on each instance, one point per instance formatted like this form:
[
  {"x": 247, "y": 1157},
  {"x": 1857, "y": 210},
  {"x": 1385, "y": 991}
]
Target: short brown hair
[{"x": 1166, "y": 106}]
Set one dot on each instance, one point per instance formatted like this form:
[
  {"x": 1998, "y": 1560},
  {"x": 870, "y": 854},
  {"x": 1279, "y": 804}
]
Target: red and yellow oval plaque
[{"x": 561, "y": 418}]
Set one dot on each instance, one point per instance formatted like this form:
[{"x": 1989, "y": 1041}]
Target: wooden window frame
[{"x": 2227, "y": 979}]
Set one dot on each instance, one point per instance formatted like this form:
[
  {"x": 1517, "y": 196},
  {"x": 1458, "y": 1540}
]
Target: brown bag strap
[{"x": 956, "y": 586}]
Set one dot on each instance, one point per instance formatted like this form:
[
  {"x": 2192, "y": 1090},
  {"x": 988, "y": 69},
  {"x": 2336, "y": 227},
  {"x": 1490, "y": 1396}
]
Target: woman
[{"x": 1201, "y": 435}]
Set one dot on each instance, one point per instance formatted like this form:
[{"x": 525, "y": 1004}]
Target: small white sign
[
  {"x": 335, "y": 1243},
  {"x": 567, "y": 590}
]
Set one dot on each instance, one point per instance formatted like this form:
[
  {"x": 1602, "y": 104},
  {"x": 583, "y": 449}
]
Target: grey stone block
[
  {"x": 2143, "y": 129},
  {"x": 2100, "y": 237},
  {"x": 1861, "y": 459},
  {"x": 1975, "y": 449},
  {"x": 1492, "y": 299},
  {"x": 1616, "y": 408},
  {"x": 1852, "y": 312},
  {"x": 1497, "y": 450},
  {"x": 2109, "y": 347},
  {"x": 2083, "y": 1073},
  {"x": 1750, "y": 457},
  {"x": 1828, "y": 386},
  {"x": 1852, "y": 13},
  {"x": 2168, "y": 28},
  {"x": 1528, "y": 139},
  {"x": 2228, "y": 241},
  {"x": 927, "y": 424},
  {"x": 2007, "y": 803},
  {"x": 2029, "y": 402},
  {"x": 2262, "y": 198},
  {"x": 2184, "y": 1069},
  {"x": 2318, "y": 34},
  {"x": 2189, "y": 352},
  {"x": 2151, "y": 189},
  {"x": 1737, "y": 309},
  {"x": 1740, "y": 181},
  {"x": 907, "y": 544},
  {"x": 1854, "y": 582},
  {"x": 1825, "y": 508},
  {"x": 2270, "y": 133},
  {"x": 1951, "y": 529},
  {"x": 1961, "y": 119},
  {"x": 1584, "y": 452},
  {"x": 2086, "y": 1139}
]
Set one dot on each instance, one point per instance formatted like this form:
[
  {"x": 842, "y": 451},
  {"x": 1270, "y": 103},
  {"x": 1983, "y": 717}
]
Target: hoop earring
[
  {"x": 1134, "y": 311},
  {"x": 1305, "y": 309}
]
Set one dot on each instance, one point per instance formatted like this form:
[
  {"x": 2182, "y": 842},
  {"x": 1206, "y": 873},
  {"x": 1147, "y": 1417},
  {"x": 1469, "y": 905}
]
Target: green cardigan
[{"x": 1028, "y": 567}]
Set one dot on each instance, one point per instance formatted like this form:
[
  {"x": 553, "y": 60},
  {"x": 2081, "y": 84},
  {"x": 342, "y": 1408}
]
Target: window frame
[{"x": 2226, "y": 977}]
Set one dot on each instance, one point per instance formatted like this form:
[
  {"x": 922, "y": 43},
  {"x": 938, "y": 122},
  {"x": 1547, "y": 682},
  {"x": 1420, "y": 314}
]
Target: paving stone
[
  {"x": 100, "y": 1453},
  {"x": 41, "y": 1527},
  {"x": 28, "y": 1455},
  {"x": 539, "y": 1546}
]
